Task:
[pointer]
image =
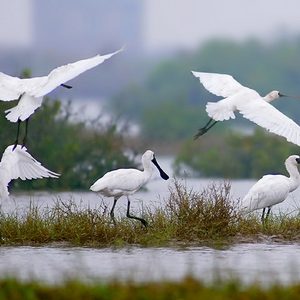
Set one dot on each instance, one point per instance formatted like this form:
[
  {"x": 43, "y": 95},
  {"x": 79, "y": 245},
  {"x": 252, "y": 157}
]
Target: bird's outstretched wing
[
  {"x": 67, "y": 72},
  {"x": 267, "y": 116},
  {"x": 19, "y": 163},
  {"x": 10, "y": 87},
  {"x": 219, "y": 84}
]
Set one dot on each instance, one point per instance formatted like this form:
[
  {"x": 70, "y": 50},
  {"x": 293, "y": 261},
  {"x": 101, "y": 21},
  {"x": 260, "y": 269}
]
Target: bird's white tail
[
  {"x": 219, "y": 111},
  {"x": 24, "y": 109}
]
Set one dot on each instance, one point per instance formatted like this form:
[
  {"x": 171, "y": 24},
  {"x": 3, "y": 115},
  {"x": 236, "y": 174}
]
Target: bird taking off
[
  {"x": 125, "y": 182},
  {"x": 247, "y": 102},
  {"x": 272, "y": 189},
  {"x": 30, "y": 91},
  {"x": 20, "y": 164}
]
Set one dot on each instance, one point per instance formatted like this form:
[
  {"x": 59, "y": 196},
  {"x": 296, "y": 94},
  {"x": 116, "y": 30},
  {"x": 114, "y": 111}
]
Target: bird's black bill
[
  {"x": 289, "y": 96},
  {"x": 66, "y": 86},
  {"x": 282, "y": 95},
  {"x": 163, "y": 175}
]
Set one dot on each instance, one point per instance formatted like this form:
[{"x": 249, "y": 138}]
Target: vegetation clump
[{"x": 187, "y": 217}]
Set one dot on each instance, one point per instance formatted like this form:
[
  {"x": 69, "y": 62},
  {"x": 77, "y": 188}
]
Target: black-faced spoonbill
[
  {"x": 249, "y": 103},
  {"x": 125, "y": 182},
  {"x": 30, "y": 91},
  {"x": 272, "y": 189},
  {"x": 18, "y": 163}
]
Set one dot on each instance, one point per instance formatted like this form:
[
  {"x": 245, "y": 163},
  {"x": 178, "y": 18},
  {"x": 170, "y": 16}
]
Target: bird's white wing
[
  {"x": 19, "y": 163},
  {"x": 219, "y": 84},
  {"x": 10, "y": 87},
  {"x": 67, "y": 72},
  {"x": 267, "y": 116}
]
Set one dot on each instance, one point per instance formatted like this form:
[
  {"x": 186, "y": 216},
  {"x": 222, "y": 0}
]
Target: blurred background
[{"x": 146, "y": 97}]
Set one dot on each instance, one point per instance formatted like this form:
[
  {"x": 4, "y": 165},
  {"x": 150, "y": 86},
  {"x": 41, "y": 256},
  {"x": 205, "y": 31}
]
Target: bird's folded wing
[
  {"x": 67, "y": 72},
  {"x": 267, "y": 116},
  {"x": 268, "y": 191},
  {"x": 219, "y": 84},
  {"x": 19, "y": 163}
]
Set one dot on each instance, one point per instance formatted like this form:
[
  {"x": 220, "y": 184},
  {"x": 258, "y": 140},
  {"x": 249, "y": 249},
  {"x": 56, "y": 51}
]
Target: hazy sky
[
  {"x": 177, "y": 23},
  {"x": 16, "y": 23},
  {"x": 174, "y": 23}
]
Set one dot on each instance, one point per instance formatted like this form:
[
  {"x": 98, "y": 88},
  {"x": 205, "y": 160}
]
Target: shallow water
[{"x": 264, "y": 263}]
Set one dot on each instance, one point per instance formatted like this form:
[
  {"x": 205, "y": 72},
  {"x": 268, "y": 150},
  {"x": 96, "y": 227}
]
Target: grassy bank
[
  {"x": 188, "y": 288},
  {"x": 188, "y": 217}
]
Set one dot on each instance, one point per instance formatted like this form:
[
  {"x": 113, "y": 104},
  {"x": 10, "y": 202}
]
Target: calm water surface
[{"x": 265, "y": 263}]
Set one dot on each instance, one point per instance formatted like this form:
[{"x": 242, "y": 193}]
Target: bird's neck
[
  {"x": 148, "y": 169},
  {"x": 294, "y": 176}
]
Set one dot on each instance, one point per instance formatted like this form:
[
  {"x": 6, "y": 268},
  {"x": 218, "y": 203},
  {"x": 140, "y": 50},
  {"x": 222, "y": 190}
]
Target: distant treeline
[{"x": 236, "y": 155}]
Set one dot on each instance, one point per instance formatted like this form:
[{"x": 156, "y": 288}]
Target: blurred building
[
  {"x": 16, "y": 20},
  {"x": 87, "y": 27}
]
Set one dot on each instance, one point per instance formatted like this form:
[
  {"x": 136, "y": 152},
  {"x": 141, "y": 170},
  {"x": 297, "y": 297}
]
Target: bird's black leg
[
  {"x": 204, "y": 129},
  {"x": 133, "y": 217},
  {"x": 263, "y": 216},
  {"x": 112, "y": 215},
  {"x": 18, "y": 131},
  {"x": 66, "y": 86},
  {"x": 268, "y": 212},
  {"x": 26, "y": 131}
]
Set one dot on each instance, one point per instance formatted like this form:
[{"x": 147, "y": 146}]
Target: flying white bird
[
  {"x": 272, "y": 189},
  {"x": 126, "y": 182},
  {"x": 30, "y": 91},
  {"x": 19, "y": 163},
  {"x": 249, "y": 103}
]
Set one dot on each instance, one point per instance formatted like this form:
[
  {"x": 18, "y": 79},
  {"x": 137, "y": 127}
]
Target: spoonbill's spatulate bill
[
  {"x": 273, "y": 189},
  {"x": 125, "y": 182},
  {"x": 20, "y": 164},
  {"x": 30, "y": 91},
  {"x": 249, "y": 103}
]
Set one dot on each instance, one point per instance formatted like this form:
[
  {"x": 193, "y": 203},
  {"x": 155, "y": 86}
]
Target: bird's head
[
  {"x": 149, "y": 156},
  {"x": 274, "y": 95},
  {"x": 293, "y": 160}
]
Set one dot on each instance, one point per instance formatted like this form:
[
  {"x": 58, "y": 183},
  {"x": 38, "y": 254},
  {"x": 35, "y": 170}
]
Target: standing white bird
[
  {"x": 249, "y": 103},
  {"x": 19, "y": 163},
  {"x": 30, "y": 91},
  {"x": 272, "y": 189},
  {"x": 122, "y": 182}
]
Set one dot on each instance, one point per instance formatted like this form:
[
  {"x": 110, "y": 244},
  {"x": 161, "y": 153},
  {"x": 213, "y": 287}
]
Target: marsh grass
[
  {"x": 187, "y": 217},
  {"x": 188, "y": 288}
]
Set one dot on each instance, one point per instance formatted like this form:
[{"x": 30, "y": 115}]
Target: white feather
[
  {"x": 273, "y": 189},
  {"x": 19, "y": 163},
  {"x": 31, "y": 90},
  {"x": 249, "y": 103}
]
